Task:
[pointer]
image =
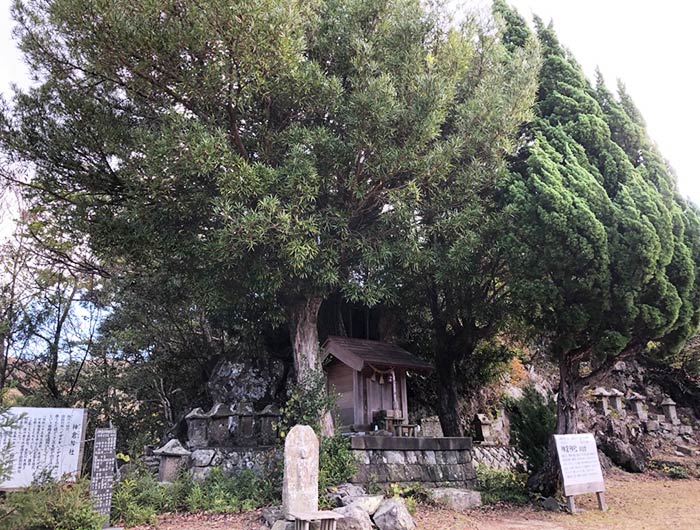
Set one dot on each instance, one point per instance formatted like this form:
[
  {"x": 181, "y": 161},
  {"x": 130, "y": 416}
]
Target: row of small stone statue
[{"x": 613, "y": 399}]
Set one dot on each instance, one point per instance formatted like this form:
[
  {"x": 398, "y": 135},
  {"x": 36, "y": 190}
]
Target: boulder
[
  {"x": 393, "y": 515},
  {"x": 367, "y": 503},
  {"x": 551, "y": 504},
  {"x": 459, "y": 500},
  {"x": 339, "y": 493},
  {"x": 271, "y": 515},
  {"x": 354, "y": 518},
  {"x": 256, "y": 378},
  {"x": 630, "y": 457},
  {"x": 283, "y": 525},
  {"x": 202, "y": 457}
]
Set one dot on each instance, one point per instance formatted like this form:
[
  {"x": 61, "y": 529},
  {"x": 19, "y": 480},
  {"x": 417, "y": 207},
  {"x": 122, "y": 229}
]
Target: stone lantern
[
  {"x": 636, "y": 402},
  {"x": 616, "y": 398},
  {"x": 482, "y": 428},
  {"x": 669, "y": 408},
  {"x": 602, "y": 400},
  {"x": 171, "y": 458}
]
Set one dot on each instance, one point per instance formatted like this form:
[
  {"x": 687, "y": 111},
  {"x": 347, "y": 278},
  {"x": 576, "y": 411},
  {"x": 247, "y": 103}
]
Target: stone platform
[{"x": 432, "y": 462}]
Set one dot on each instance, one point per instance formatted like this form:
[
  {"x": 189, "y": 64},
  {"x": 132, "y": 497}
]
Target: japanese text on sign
[
  {"x": 43, "y": 442},
  {"x": 102, "y": 477},
  {"x": 578, "y": 460}
]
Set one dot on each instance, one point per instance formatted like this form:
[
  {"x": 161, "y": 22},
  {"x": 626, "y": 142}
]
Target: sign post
[
  {"x": 102, "y": 476},
  {"x": 580, "y": 467},
  {"x": 44, "y": 442}
]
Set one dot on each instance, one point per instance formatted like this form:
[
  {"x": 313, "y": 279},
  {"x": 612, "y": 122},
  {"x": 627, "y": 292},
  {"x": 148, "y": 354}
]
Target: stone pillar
[
  {"x": 243, "y": 425},
  {"x": 266, "y": 428},
  {"x": 602, "y": 401},
  {"x": 171, "y": 456},
  {"x": 636, "y": 402},
  {"x": 482, "y": 428},
  {"x": 669, "y": 407},
  {"x": 616, "y": 398},
  {"x": 219, "y": 430},
  {"x": 300, "y": 483},
  {"x": 197, "y": 429}
]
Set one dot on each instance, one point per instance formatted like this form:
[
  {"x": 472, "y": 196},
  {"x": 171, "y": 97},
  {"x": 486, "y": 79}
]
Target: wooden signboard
[
  {"x": 102, "y": 476},
  {"x": 43, "y": 442},
  {"x": 580, "y": 467}
]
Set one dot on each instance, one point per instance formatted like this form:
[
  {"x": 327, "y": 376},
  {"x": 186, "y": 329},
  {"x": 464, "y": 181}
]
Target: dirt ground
[{"x": 636, "y": 503}]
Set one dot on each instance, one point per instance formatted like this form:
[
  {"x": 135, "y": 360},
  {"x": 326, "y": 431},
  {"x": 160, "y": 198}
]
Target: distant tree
[{"x": 602, "y": 244}]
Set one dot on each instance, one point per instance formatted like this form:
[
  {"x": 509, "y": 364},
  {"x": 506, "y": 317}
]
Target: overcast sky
[{"x": 651, "y": 45}]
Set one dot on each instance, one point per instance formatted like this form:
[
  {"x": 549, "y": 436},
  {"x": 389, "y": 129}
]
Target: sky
[{"x": 650, "y": 45}]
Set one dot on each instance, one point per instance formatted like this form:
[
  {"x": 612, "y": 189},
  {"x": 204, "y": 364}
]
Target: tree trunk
[
  {"x": 547, "y": 480},
  {"x": 303, "y": 330},
  {"x": 448, "y": 398}
]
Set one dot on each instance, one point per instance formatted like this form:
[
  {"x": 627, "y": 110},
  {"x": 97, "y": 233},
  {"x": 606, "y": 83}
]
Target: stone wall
[
  {"x": 262, "y": 460},
  {"x": 432, "y": 462},
  {"x": 503, "y": 457}
]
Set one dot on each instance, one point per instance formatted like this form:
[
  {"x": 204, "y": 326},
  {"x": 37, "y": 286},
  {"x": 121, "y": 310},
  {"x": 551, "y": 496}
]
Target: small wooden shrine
[{"x": 370, "y": 377}]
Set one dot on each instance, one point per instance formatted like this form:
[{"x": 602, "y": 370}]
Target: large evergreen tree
[
  {"x": 250, "y": 150},
  {"x": 602, "y": 244}
]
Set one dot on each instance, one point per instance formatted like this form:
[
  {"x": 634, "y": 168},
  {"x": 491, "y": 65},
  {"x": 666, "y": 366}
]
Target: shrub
[
  {"x": 51, "y": 505},
  {"x": 139, "y": 497},
  {"x": 412, "y": 494},
  {"x": 337, "y": 464},
  {"x": 241, "y": 492},
  {"x": 498, "y": 485},
  {"x": 533, "y": 420},
  {"x": 308, "y": 401}
]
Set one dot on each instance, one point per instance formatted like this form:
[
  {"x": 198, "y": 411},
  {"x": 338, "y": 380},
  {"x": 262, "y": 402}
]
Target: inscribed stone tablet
[
  {"x": 102, "y": 476},
  {"x": 300, "y": 485},
  {"x": 44, "y": 441},
  {"x": 580, "y": 467}
]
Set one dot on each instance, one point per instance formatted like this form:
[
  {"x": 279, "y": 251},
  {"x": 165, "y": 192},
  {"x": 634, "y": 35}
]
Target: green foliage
[
  {"x": 241, "y": 492},
  {"x": 139, "y": 498},
  {"x": 308, "y": 401},
  {"x": 604, "y": 244},
  {"x": 50, "y": 506},
  {"x": 337, "y": 464},
  {"x": 498, "y": 485},
  {"x": 532, "y": 423},
  {"x": 412, "y": 494}
]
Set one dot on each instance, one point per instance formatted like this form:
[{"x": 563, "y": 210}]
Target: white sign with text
[
  {"x": 579, "y": 464},
  {"x": 44, "y": 441}
]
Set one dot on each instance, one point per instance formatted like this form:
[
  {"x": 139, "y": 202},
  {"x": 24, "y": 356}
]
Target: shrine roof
[{"x": 359, "y": 353}]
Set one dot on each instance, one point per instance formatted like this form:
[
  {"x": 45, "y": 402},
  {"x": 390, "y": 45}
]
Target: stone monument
[
  {"x": 102, "y": 476},
  {"x": 300, "y": 487}
]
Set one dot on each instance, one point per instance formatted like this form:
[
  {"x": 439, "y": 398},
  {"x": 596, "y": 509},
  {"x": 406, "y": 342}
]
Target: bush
[
  {"x": 51, "y": 505},
  {"x": 221, "y": 494},
  {"x": 308, "y": 401},
  {"x": 533, "y": 420},
  {"x": 337, "y": 464},
  {"x": 140, "y": 498},
  {"x": 497, "y": 485},
  {"x": 412, "y": 494}
]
